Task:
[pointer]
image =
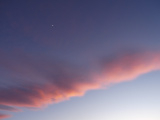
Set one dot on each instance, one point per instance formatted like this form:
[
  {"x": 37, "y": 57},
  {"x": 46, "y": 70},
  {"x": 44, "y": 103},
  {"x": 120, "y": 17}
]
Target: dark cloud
[{"x": 34, "y": 81}]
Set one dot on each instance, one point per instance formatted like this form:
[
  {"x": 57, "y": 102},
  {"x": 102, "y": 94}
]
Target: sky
[{"x": 79, "y": 59}]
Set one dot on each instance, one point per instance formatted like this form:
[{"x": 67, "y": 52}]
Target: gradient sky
[{"x": 79, "y": 60}]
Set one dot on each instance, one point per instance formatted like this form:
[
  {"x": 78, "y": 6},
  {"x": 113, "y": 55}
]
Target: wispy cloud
[
  {"x": 8, "y": 108},
  {"x": 35, "y": 82},
  {"x": 128, "y": 66}
]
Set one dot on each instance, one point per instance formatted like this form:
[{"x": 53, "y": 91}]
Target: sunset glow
[{"x": 79, "y": 60}]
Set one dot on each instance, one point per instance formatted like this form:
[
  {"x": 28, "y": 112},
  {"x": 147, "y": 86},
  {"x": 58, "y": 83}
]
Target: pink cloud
[
  {"x": 129, "y": 66},
  {"x": 3, "y": 116},
  {"x": 60, "y": 82}
]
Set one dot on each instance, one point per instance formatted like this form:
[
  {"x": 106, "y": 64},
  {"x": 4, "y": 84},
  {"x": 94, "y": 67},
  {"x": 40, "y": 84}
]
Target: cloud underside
[
  {"x": 34, "y": 83},
  {"x": 3, "y": 116}
]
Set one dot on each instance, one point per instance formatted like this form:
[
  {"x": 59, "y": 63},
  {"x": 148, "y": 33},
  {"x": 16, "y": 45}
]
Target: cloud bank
[{"x": 36, "y": 82}]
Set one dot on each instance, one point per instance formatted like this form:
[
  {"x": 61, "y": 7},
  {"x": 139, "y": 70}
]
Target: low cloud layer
[{"x": 35, "y": 82}]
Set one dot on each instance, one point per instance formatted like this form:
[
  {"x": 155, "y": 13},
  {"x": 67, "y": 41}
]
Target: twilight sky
[{"x": 79, "y": 59}]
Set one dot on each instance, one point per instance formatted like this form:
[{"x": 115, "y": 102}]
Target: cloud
[
  {"x": 36, "y": 82},
  {"x": 39, "y": 95},
  {"x": 3, "y": 116},
  {"x": 128, "y": 66},
  {"x": 8, "y": 108}
]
